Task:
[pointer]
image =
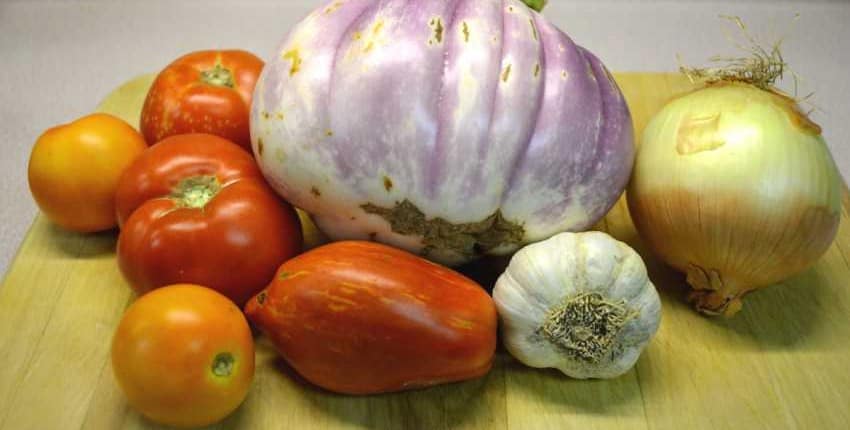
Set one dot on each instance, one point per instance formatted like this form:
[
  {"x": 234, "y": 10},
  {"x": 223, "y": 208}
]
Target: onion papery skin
[
  {"x": 735, "y": 187},
  {"x": 449, "y": 128}
]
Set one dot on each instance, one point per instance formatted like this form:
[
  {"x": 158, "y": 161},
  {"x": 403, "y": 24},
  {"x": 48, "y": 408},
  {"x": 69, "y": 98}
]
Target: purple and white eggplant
[{"x": 451, "y": 128}]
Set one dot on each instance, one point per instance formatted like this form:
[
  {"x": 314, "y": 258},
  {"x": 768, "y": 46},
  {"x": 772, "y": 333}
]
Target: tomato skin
[
  {"x": 191, "y": 96},
  {"x": 360, "y": 318},
  {"x": 74, "y": 170},
  {"x": 233, "y": 244},
  {"x": 165, "y": 348},
  {"x": 159, "y": 169}
]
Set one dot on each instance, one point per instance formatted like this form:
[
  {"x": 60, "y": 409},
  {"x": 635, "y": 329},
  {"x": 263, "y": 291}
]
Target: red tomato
[
  {"x": 195, "y": 208},
  {"x": 184, "y": 356},
  {"x": 74, "y": 169},
  {"x": 203, "y": 92},
  {"x": 359, "y": 317}
]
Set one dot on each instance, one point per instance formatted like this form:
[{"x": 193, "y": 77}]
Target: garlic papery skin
[
  {"x": 735, "y": 187},
  {"x": 578, "y": 302}
]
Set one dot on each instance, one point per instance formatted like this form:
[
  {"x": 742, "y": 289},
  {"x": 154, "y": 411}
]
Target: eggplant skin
[
  {"x": 360, "y": 317},
  {"x": 392, "y": 119}
]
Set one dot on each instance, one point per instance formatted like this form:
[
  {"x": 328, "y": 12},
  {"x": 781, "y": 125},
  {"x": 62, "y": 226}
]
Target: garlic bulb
[
  {"x": 578, "y": 302},
  {"x": 734, "y": 186}
]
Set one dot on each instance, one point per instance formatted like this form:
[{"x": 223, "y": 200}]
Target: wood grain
[{"x": 781, "y": 363}]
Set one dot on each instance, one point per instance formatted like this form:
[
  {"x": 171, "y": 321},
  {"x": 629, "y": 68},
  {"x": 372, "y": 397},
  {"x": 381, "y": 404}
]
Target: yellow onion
[{"x": 734, "y": 186}]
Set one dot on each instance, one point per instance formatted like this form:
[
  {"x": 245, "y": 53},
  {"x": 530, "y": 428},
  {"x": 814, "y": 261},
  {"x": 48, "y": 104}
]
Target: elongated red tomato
[{"x": 359, "y": 318}]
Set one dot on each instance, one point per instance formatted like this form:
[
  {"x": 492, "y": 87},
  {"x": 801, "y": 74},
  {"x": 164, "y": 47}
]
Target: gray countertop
[{"x": 61, "y": 58}]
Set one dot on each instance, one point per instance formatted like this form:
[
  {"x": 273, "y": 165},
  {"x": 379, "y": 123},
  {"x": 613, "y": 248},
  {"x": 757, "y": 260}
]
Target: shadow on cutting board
[
  {"x": 78, "y": 245},
  {"x": 441, "y": 406},
  {"x": 594, "y": 396},
  {"x": 789, "y": 315}
]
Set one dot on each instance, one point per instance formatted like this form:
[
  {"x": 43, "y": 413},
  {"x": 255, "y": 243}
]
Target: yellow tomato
[
  {"x": 184, "y": 356},
  {"x": 74, "y": 170}
]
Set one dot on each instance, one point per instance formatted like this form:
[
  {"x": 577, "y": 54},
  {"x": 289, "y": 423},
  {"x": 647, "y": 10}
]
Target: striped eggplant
[{"x": 451, "y": 128}]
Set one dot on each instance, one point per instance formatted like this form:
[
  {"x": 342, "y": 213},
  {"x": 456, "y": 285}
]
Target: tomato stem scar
[
  {"x": 222, "y": 364},
  {"x": 195, "y": 191},
  {"x": 218, "y": 76}
]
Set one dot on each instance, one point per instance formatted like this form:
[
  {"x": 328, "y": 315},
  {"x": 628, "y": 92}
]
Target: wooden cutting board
[{"x": 781, "y": 363}]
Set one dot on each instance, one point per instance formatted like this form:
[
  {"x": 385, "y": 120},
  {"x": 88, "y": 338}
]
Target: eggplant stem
[{"x": 537, "y": 5}]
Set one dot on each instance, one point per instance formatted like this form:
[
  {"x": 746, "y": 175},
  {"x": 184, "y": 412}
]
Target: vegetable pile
[{"x": 447, "y": 129}]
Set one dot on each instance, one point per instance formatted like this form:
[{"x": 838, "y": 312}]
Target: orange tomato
[
  {"x": 184, "y": 356},
  {"x": 203, "y": 92},
  {"x": 74, "y": 170}
]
